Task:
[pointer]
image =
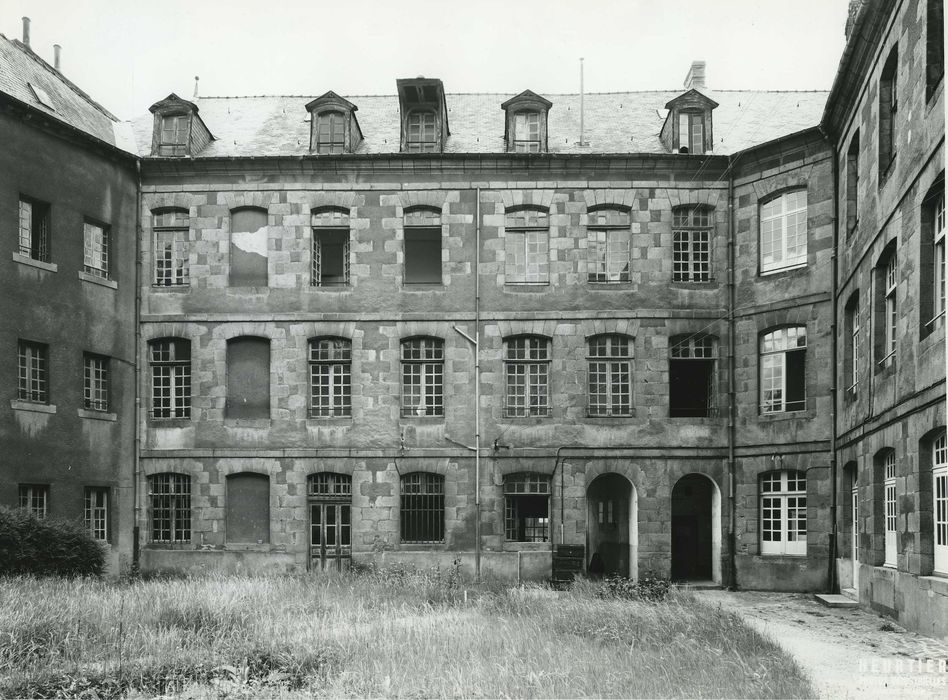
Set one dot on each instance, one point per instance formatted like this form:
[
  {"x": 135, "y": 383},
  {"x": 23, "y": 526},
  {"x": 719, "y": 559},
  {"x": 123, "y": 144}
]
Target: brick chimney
[
  {"x": 57, "y": 52},
  {"x": 26, "y": 31},
  {"x": 854, "y": 7},
  {"x": 695, "y": 77}
]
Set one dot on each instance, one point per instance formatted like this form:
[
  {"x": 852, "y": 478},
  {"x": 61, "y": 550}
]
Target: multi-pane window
[
  {"x": 783, "y": 231},
  {"x": 97, "y": 512},
  {"x": 691, "y": 133},
  {"x": 34, "y": 229},
  {"x": 783, "y": 513},
  {"x": 421, "y": 136},
  {"x": 170, "y": 499},
  {"x": 170, "y": 360},
  {"x": 32, "y": 372},
  {"x": 95, "y": 382},
  {"x": 330, "y": 372},
  {"x": 422, "y": 507},
  {"x": 526, "y": 246},
  {"x": 610, "y": 375},
  {"x": 851, "y": 355},
  {"x": 938, "y": 241},
  {"x": 331, "y": 132},
  {"x": 934, "y": 47},
  {"x": 783, "y": 370},
  {"x": 940, "y": 509},
  {"x": 171, "y": 247},
  {"x": 691, "y": 376},
  {"x": 423, "y": 377},
  {"x": 527, "y": 507},
  {"x": 890, "y": 512},
  {"x": 888, "y": 110},
  {"x": 329, "y": 485},
  {"x": 691, "y": 244},
  {"x": 527, "y": 132},
  {"x": 852, "y": 185},
  {"x": 890, "y": 309},
  {"x": 35, "y": 499},
  {"x": 422, "y": 246},
  {"x": 95, "y": 250},
  {"x": 330, "y": 247},
  {"x": 608, "y": 245},
  {"x": 527, "y": 368},
  {"x": 173, "y": 138}
]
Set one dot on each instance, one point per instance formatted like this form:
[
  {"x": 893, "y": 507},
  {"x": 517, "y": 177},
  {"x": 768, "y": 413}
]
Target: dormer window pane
[
  {"x": 527, "y": 132},
  {"x": 421, "y": 136},
  {"x": 691, "y": 133},
  {"x": 174, "y": 135},
  {"x": 331, "y": 133}
]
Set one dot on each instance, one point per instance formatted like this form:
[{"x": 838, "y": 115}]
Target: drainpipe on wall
[
  {"x": 834, "y": 392},
  {"x": 477, "y": 385},
  {"x": 136, "y": 464},
  {"x": 731, "y": 384}
]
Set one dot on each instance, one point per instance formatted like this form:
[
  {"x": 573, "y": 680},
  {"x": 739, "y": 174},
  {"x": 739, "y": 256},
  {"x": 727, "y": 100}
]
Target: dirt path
[{"x": 848, "y": 652}]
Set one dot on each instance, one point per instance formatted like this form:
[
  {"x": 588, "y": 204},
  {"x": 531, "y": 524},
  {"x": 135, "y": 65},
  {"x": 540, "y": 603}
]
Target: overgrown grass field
[{"x": 390, "y": 632}]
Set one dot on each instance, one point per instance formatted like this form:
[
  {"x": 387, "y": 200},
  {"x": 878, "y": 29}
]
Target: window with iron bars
[
  {"x": 95, "y": 247},
  {"x": 330, "y": 372},
  {"x": 97, "y": 512},
  {"x": 691, "y": 376},
  {"x": 423, "y": 377},
  {"x": 34, "y": 229},
  {"x": 608, "y": 245},
  {"x": 34, "y": 498},
  {"x": 783, "y": 513},
  {"x": 331, "y": 133},
  {"x": 610, "y": 375},
  {"x": 171, "y": 248},
  {"x": 691, "y": 244},
  {"x": 422, "y": 507},
  {"x": 95, "y": 382},
  {"x": 329, "y": 485},
  {"x": 330, "y": 247},
  {"x": 170, "y": 360},
  {"x": 421, "y": 136},
  {"x": 32, "y": 372},
  {"x": 170, "y": 498},
  {"x": 527, "y": 507},
  {"x": 526, "y": 247},
  {"x": 527, "y": 132},
  {"x": 527, "y": 368}
]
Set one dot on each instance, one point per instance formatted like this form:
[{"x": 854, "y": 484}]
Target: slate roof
[
  {"x": 20, "y": 67},
  {"x": 616, "y": 122}
]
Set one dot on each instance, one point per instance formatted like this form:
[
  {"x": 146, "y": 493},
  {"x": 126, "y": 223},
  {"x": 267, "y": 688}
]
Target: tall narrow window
[
  {"x": 691, "y": 244},
  {"x": 173, "y": 136},
  {"x": 34, "y": 229},
  {"x": 691, "y": 133},
  {"x": 940, "y": 509},
  {"x": 608, "y": 245},
  {"x": 95, "y": 382},
  {"x": 783, "y": 232},
  {"x": 610, "y": 375},
  {"x": 248, "y": 508},
  {"x": 422, "y": 507},
  {"x": 423, "y": 377},
  {"x": 34, "y": 498},
  {"x": 331, "y": 132},
  {"x": 170, "y": 362},
  {"x": 170, "y": 504},
  {"x": 330, "y": 247},
  {"x": 527, "y": 507},
  {"x": 421, "y": 136},
  {"x": 889, "y": 281},
  {"x": 95, "y": 247},
  {"x": 783, "y": 513},
  {"x": 97, "y": 512},
  {"x": 851, "y": 353},
  {"x": 171, "y": 248},
  {"x": 852, "y": 185},
  {"x": 888, "y": 109},
  {"x": 330, "y": 372},
  {"x": 783, "y": 370},
  {"x": 890, "y": 511},
  {"x": 526, "y": 247},
  {"x": 422, "y": 246},
  {"x": 248, "y": 248},
  {"x": 527, "y": 132},
  {"x": 934, "y": 47},
  {"x": 527, "y": 367},
  {"x": 691, "y": 376},
  {"x": 932, "y": 258},
  {"x": 32, "y": 372},
  {"x": 939, "y": 255},
  {"x": 248, "y": 378}
]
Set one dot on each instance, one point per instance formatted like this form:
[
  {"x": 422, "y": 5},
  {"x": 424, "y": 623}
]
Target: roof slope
[{"x": 616, "y": 122}]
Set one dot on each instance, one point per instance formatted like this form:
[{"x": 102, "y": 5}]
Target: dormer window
[
  {"x": 687, "y": 128},
  {"x": 424, "y": 115},
  {"x": 174, "y": 135},
  {"x": 691, "y": 133},
  {"x": 334, "y": 128},
  {"x": 527, "y": 132},
  {"x": 178, "y": 130},
  {"x": 422, "y": 136},
  {"x": 331, "y": 132},
  {"x": 525, "y": 125}
]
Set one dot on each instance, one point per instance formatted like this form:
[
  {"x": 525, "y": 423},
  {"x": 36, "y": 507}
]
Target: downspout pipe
[
  {"x": 136, "y": 459},
  {"x": 731, "y": 384},
  {"x": 833, "y": 583},
  {"x": 477, "y": 385}
]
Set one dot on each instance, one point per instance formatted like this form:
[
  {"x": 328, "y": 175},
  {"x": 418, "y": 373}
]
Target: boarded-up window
[
  {"x": 248, "y": 508},
  {"x": 248, "y": 248},
  {"x": 248, "y": 378}
]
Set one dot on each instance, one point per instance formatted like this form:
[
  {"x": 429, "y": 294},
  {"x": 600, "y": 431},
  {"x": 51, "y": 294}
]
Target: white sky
[{"x": 129, "y": 54}]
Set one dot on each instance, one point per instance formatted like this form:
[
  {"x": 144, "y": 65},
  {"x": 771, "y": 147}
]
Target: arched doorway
[
  {"x": 696, "y": 530},
  {"x": 612, "y": 524}
]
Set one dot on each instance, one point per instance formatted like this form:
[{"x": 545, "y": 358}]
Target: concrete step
[
  {"x": 851, "y": 593},
  {"x": 835, "y": 600}
]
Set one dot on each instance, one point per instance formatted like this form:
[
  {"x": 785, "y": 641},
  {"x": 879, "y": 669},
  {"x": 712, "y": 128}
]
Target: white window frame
[
  {"x": 691, "y": 244},
  {"x": 95, "y": 249},
  {"x": 422, "y": 376},
  {"x": 890, "y": 509},
  {"x": 527, "y": 247},
  {"x": 330, "y": 377},
  {"x": 330, "y": 132},
  {"x": 325, "y": 222},
  {"x": 854, "y": 346},
  {"x": 609, "y": 380},
  {"x": 780, "y": 248},
  {"x": 608, "y": 246},
  {"x": 938, "y": 293},
  {"x": 95, "y": 382},
  {"x": 174, "y": 396},
  {"x": 774, "y": 347},
  {"x": 96, "y": 504},
  {"x": 890, "y": 306},
  {"x": 691, "y": 132},
  {"x": 169, "y": 496},
  {"x": 527, "y": 132},
  {"x": 527, "y": 376},
  {"x": 940, "y": 503},
  {"x": 171, "y": 256},
  {"x": 421, "y": 132},
  {"x": 33, "y": 372},
  {"x": 782, "y": 498},
  {"x": 35, "y": 499}
]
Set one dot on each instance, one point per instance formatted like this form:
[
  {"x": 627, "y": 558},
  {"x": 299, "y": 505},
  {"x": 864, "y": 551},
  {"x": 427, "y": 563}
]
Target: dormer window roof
[
  {"x": 334, "y": 128},
  {"x": 525, "y": 125},
  {"x": 687, "y": 128},
  {"x": 424, "y": 115},
  {"x": 178, "y": 130}
]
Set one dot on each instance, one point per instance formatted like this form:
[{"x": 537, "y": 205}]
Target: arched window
[
  {"x": 248, "y": 378},
  {"x": 171, "y": 247},
  {"x": 330, "y": 246},
  {"x": 851, "y": 347},
  {"x": 527, "y": 369},
  {"x": 169, "y": 495},
  {"x": 248, "y": 247},
  {"x": 527, "y": 507},
  {"x": 331, "y": 132},
  {"x": 421, "y": 136},
  {"x": 169, "y": 360},
  {"x": 422, "y": 377},
  {"x": 422, "y": 507},
  {"x": 248, "y": 508},
  {"x": 526, "y": 246},
  {"x": 610, "y": 375},
  {"x": 783, "y": 513},
  {"x": 691, "y": 375},
  {"x": 783, "y": 231},
  {"x": 691, "y": 243},
  {"x": 330, "y": 372},
  {"x": 608, "y": 245},
  {"x": 783, "y": 370}
]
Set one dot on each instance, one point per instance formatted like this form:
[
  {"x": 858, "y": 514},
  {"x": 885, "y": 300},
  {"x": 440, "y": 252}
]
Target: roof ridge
[{"x": 551, "y": 94}]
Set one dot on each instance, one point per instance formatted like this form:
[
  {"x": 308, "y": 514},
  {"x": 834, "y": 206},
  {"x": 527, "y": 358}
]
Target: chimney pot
[
  {"x": 26, "y": 31},
  {"x": 696, "y": 75},
  {"x": 57, "y": 50}
]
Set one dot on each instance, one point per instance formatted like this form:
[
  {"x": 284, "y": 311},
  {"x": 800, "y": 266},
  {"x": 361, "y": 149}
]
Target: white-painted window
[
  {"x": 170, "y": 363},
  {"x": 32, "y": 372},
  {"x": 526, "y": 247},
  {"x": 783, "y": 513},
  {"x": 783, "y": 370},
  {"x": 610, "y": 375},
  {"x": 171, "y": 248},
  {"x": 783, "y": 231},
  {"x": 421, "y": 136},
  {"x": 330, "y": 377},
  {"x": 97, "y": 512},
  {"x": 890, "y": 509},
  {"x": 34, "y": 229},
  {"x": 939, "y": 256},
  {"x": 527, "y": 132},
  {"x": 890, "y": 303},
  {"x": 940, "y": 510},
  {"x": 170, "y": 505},
  {"x": 608, "y": 246},
  {"x": 330, "y": 247},
  {"x": 691, "y": 244},
  {"x": 35, "y": 499},
  {"x": 95, "y": 382},
  {"x": 423, "y": 377},
  {"x": 95, "y": 247},
  {"x": 527, "y": 368}
]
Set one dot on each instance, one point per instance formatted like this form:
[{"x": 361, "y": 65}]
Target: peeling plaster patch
[
  {"x": 172, "y": 438},
  {"x": 31, "y": 423},
  {"x": 251, "y": 241}
]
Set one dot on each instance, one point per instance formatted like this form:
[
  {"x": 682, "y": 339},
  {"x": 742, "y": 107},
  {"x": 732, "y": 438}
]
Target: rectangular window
[
  {"x": 783, "y": 231},
  {"x": 330, "y": 247},
  {"x": 170, "y": 499},
  {"x": 609, "y": 246},
  {"x": 422, "y": 377},
  {"x": 171, "y": 248},
  {"x": 691, "y": 241},
  {"x": 527, "y": 132},
  {"x": 783, "y": 513},
  {"x": 421, "y": 136},
  {"x": 526, "y": 247},
  {"x": 610, "y": 376},
  {"x": 97, "y": 512},
  {"x": 174, "y": 135},
  {"x": 249, "y": 248},
  {"x": 527, "y": 508},
  {"x": 95, "y": 250},
  {"x": 888, "y": 109},
  {"x": 691, "y": 376},
  {"x": 34, "y": 229},
  {"x": 783, "y": 370},
  {"x": 95, "y": 383},
  {"x": 852, "y": 185},
  {"x": 330, "y": 377},
  {"x": 248, "y": 378},
  {"x": 35, "y": 499},
  {"x": 851, "y": 357},
  {"x": 32, "y": 372},
  {"x": 691, "y": 133},
  {"x": 170, "y": 360},
  {"x": 934, "y": 47},
  {"x": 527, "y": 368},
  {"x": 890, "y": 280},
  {"x": 331, "y": 133},
  {"x": 422, "y": 507},
  {"x": 891, "y": 510},
  {"x": 940, "y": 510},
  {"x": 939, "y": 255},
  {"x": 422, "y": 246}
]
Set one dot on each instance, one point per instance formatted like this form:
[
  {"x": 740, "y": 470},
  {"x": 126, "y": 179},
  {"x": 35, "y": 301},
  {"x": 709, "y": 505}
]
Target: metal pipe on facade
[
  {"x": 582, "y": 105},
  {"x": 834, "y": 391},
  {"x": 477, "y": 384},
  {"x": 731, "y": 385},
  {"x": 139, "y": 418}
]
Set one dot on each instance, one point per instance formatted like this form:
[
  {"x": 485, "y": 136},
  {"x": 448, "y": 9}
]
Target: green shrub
[
  {"x": 29, "y": 545},
  {"x": 650, "y": 587}
]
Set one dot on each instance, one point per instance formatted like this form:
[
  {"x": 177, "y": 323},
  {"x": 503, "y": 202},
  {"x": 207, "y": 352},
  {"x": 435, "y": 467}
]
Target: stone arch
[
  {"x": 612, "y": 529},
  {"x": 711, "y": 509}
]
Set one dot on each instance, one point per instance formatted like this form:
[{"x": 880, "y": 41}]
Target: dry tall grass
[{"x": 387, "y": 633}]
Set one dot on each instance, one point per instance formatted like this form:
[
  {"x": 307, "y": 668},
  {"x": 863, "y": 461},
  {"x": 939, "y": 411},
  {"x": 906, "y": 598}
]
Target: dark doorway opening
[
  {"x": 692, "y": 534},
  {"x": 609, "y": 503}
]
